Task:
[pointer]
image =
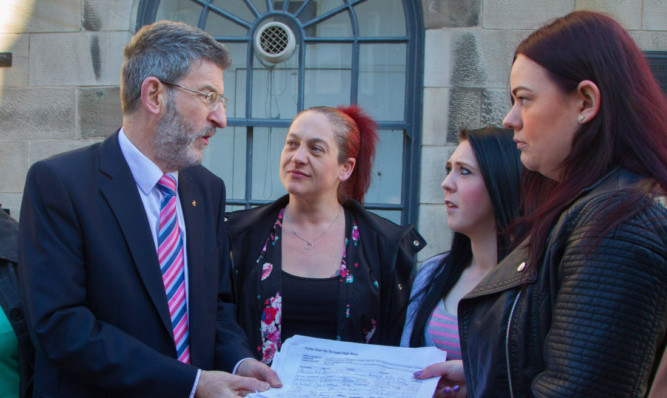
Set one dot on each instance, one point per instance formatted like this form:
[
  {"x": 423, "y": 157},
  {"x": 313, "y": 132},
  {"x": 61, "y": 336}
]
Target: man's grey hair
[{"x": 166, "y": 50}]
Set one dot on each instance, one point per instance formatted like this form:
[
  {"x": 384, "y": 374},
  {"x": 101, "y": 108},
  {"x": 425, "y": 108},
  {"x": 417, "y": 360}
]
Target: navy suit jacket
[{"x": 95, "y": 302}]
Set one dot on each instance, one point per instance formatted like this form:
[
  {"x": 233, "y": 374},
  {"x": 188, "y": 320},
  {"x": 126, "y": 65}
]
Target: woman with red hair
[
  {"x": 315, "y": 262},
  {"x": 579, "y": 308}
]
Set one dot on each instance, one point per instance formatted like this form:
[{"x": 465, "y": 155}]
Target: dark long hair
[
  {"x": 629, "y": 130},
  {"x": 356, "y": 137},
  {"x": 500, "y": 165}
]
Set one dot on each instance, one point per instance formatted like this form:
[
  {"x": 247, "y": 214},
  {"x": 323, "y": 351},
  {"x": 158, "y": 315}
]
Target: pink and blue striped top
[{"x": 444, "y": 330}]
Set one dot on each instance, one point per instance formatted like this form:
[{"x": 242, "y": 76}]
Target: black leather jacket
[{"x": 590, "y": 321}]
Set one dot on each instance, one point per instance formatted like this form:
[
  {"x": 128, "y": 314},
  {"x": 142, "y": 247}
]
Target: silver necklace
[{"x": 310, "y": 243}]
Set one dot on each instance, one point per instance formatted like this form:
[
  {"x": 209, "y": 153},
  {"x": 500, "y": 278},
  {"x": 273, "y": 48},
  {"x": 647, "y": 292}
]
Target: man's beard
[{"x": 175, "y": 141}]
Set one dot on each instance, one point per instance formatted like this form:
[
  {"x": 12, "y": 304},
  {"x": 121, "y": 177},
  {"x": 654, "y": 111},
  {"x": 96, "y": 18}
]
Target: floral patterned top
[
  {"x": 272, "y": 311},
  {"x": 374, "y": 278}
]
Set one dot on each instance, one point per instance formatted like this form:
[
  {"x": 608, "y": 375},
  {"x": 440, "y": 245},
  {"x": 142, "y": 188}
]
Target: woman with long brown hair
[{"x": 579, "y": 308}]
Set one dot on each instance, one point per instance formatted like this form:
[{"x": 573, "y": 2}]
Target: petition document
[{"x": 319, "y": 368}]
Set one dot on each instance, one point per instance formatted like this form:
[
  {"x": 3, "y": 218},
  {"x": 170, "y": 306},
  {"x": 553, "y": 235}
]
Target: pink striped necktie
[{"x": 170, "y": 254}]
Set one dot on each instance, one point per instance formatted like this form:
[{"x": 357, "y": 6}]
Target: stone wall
[{"x": 61, "y": 91}]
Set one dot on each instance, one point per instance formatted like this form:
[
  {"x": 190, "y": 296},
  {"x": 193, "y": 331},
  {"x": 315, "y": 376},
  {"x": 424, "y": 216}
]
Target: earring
[{"x": 581, "y": 118}]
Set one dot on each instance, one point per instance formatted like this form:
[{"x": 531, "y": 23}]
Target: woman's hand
[{"x": 452, "y": 381}]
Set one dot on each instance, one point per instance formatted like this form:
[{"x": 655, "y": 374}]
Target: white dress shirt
[{"x": 147, "y": 174}]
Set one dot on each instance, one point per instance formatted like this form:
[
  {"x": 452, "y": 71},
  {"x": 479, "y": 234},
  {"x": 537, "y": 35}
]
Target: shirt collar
[{"x": 146, "y": 173}]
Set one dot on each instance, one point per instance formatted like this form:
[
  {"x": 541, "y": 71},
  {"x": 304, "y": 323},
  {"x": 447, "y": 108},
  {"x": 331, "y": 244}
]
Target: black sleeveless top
[{"x": 309, "y": 305}]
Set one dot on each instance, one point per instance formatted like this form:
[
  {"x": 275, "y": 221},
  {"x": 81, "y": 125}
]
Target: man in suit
[{"x": 124, "y": 263}]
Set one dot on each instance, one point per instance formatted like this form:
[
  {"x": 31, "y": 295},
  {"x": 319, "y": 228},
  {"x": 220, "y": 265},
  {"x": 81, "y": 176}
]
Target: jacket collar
[
  {"x": 251, "y": 218},
  {"x": 513, "y": 271},
  {"x": 616, "y": 179}
]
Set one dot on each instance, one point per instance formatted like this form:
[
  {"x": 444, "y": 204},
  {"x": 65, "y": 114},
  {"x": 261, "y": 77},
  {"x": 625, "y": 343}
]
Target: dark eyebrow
[
  {"x": 311, "y": 141},
  {"x": 317, "y": 141},
  {"x": 461, "y": 164}
]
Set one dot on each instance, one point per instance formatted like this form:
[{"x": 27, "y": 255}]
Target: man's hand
[
  {"x": 254, "y": 368},
  {"x": 215, "y": 384}
]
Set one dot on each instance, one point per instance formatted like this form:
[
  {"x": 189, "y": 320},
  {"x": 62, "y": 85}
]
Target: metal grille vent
[{"x": 275, "y": 42}]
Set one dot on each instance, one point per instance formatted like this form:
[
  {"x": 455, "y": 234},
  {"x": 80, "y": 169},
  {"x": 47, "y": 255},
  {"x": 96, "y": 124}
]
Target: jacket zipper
[{"x": 507, "y": 344}]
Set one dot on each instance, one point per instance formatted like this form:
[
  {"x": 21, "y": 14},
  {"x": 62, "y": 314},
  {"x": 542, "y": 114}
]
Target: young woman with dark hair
[
  {"x": 315, "y": 262},
  {"x": 482, "y": 198},
  {"x": 579, "y": 308}
]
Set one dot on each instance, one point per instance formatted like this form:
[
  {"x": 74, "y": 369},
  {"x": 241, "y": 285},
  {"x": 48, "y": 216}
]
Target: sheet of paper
[{"x": 319, "y": 368}]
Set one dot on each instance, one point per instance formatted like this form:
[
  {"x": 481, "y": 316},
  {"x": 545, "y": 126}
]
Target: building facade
[{"x": 424, "y": 69}]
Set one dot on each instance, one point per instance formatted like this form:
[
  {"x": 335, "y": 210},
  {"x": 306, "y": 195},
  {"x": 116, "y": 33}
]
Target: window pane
[
  {"x": 274, "y": 93},
  {"x": 381, "y": 18},
  {"x": 267, "y": 145},
  {"x": 382, "y": 80},
  {"x": 179, "y": 10},
  {"x": 316, "y": 8},
  {"x": 328, "y": 74},
  {"x": 336, "y": 26},
  {"x": 260, "y": 5},
  {"x": 218, "y": 25},
  {"x": 235, "y": 80},
  {"x": 225, "y": 156},
  {"x": 387, "y": 175}
]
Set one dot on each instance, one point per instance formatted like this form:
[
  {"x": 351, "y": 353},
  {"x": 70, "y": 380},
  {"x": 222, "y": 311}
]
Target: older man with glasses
[{"x": 123, "y": 249}]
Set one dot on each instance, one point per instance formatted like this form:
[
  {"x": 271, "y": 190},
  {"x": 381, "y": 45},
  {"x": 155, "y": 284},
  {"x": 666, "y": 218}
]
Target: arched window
[{"x": 368, "y": 52}]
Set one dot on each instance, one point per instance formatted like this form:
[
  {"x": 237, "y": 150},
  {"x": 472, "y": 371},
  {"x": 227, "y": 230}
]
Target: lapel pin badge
[{"x": 194, "y": 203}]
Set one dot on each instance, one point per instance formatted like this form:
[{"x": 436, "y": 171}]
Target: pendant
[{"x": 308, "y": 245}]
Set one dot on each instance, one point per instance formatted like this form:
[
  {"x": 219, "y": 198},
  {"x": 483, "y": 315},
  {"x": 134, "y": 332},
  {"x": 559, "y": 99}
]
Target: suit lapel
[
  {"x": 200, "y": 283},
  {"x": 120, "y": 191}
]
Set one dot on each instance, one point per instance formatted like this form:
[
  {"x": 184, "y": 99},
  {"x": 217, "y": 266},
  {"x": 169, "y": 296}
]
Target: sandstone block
[
  {"x": 435, "y": 111},
  {"x": 99, "y": 111},
  {"x": 29, "y": 113},
  {"x": 450, "y": 13},
  {"x": 105, "y": 15},
  {"x": 17, "y": 74},
  {"x": 81, "y": 59},
  {"x": 437, "y": 56},
  {"x": 627, "y": 12},
  {"x": 523, "y": 14},
  {"x": 655, "y": 15}
]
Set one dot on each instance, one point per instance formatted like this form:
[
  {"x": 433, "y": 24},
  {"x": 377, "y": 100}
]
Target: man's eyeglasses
[{"x": 213, "y": 99}]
